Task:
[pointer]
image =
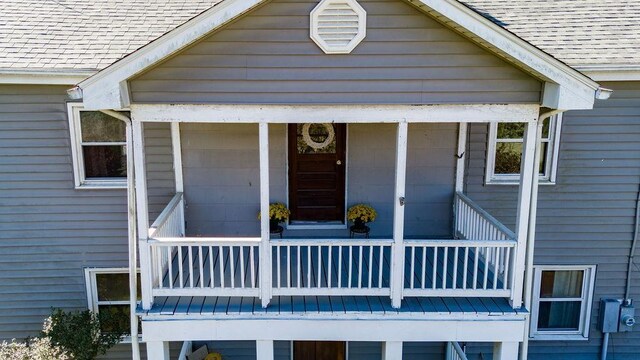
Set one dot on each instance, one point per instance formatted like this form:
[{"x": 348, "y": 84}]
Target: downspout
[
  {"x": 632, "y": 252},
  {"x": 133, "y": 239},
  {"x": 531, "y": 233}
]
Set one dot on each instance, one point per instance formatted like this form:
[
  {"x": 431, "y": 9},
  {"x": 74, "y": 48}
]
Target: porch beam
[
  {"x": 392, "y": 350},
  {"x": 527, "y": 172},
  {"x": 239, "y": 113},
  {"x": 265, "y": 248},
  {"x": 143, "y": 213},
  {"x": 397, "y": 265}
]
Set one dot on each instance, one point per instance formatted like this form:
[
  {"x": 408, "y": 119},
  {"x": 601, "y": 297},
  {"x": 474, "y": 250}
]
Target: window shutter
[{"x": 338, "y": 26}]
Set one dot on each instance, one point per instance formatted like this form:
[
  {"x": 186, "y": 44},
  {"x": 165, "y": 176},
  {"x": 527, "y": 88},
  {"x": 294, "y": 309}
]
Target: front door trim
[{"x": 311, "y": 225}]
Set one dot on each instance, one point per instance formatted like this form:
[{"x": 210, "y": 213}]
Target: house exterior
[{"x": 504, "y": 172}]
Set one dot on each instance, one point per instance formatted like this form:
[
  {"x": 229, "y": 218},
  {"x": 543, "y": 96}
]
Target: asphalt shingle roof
[
  {"x": 84, "y": 35},
  {"x": 92, "y": 34},
  {"x": 578, "y": 32}
]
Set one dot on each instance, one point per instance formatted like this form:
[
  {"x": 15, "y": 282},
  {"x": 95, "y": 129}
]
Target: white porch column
[
  {"x": 264, "y": 349},
  {"x": 505, "y": 351},
  {"x": 392, "y": 350},
  {"x": 143, "y": 214},
  {"x": 461, "y": 155},
  {"x": 397, "y": 265},
  {"x": 176, "y": 144},
  {"x": 265, "y": 248},
  {"x": 158, "y": 350},
  {"x": 528, "y": 169}
]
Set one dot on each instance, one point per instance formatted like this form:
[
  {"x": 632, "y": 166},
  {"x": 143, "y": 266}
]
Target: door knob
[{"x": 338, "y": 162}]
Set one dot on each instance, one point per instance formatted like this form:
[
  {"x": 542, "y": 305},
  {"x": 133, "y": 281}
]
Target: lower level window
[
  {"x": 562, "y": 302},
  {"x": 108, "y": 291}
]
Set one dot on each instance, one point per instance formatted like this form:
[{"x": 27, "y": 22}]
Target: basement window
[
  {"x": 561, "y": 307},
  {"x": 504, "y": 153},
  {"x": 98, "y": 143},
  {"x": 108, "y": 291}
]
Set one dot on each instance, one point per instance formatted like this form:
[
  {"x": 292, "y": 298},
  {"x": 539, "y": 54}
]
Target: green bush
[{"x": 80, "y": 333}]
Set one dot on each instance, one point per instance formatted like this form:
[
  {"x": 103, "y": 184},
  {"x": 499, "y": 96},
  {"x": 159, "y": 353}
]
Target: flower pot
[
  {"x": 358, "y": 224},
  {"x": 273, "y": 224}
]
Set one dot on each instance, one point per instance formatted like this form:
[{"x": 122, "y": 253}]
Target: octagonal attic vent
[{"x": 338, "y": 26}]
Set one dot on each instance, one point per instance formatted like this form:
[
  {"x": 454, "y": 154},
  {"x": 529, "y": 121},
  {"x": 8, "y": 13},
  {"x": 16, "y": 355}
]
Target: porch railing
[
  {"x": 455, "y": 352},
  {"x": 479, "y": 262}
]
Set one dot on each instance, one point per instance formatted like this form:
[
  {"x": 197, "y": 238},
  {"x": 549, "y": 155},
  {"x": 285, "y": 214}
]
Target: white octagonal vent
[{"x": 338, "y": 26}]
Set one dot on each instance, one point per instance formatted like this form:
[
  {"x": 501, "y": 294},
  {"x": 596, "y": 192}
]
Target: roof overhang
[
  {"x": 40, "y": 77},
  {"x": 565, "y": 88},
  {"x": 604, "y": 72}
]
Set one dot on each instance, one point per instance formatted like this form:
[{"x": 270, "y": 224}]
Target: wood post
[
  {"x": 392, "y": 350},
  {"x": 264, "y": 349},
  {"x": 527, "y": 172},
  {"x": 176, "y": 144},
  {"x": 158, "y": 350},
  {"x": 461, "y": 155},
  {"x": 143, "y": 214},
  {"x": 505, "y": 351},
  {"x": 397, "y": 265},
  {"x": 265, "y": 248}
]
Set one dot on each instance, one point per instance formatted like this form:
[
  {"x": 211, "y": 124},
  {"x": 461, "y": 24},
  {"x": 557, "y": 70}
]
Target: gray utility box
[
  {"x": 616, "y": 316},
  {"x": 609, "y": 315}
]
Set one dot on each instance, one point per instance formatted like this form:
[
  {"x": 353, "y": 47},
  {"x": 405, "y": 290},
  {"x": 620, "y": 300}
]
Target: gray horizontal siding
[
  {"x": 49, "y": 231},
  {"x": 268, "y": 57},
  {"x": 587, "y": 217}
]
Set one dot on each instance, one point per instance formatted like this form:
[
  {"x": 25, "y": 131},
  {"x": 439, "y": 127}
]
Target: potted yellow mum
[
  {"x": 278, "y": 213},
  {"x": 361, "y": 214}
]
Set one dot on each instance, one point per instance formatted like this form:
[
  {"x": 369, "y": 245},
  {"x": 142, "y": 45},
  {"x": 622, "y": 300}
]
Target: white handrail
[
  {"x": 455, "y": 351},
  {"x": 474, "y": 221}
]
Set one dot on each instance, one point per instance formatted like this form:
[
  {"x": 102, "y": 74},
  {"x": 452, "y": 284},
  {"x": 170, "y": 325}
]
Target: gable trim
[
  {"x": 107, "y": 89},
  {"x": 565, "y": 87}
]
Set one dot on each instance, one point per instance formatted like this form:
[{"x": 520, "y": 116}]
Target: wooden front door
[
  {"x": 319, "y": 350},
  {"x": 317, "y": 171}
]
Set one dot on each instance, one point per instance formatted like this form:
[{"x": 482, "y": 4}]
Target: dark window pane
[
  {"x": 561, "y": 284},
  {"x": 116, "y": 317},
  {"x": 508, "y": 157},
  {"x": 100, "y": 127},
  {"x": 545, "y": 128},
  {"x": 559, "y": 315},
  {"x": 511, "y": 130},
  {"x": 318, "y": 134},
  {"x": 114, "y": 287},
  {"x": 105, "y": 161},
  {"x": 543, "y": 158}
]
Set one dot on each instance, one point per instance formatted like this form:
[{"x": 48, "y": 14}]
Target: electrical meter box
[
  {"x": 627, "y": 317},
  {"x": 609, "y": 317}
]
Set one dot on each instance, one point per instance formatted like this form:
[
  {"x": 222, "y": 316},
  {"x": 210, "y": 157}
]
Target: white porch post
[
  {"x": 392, "y": 350},
  {"x": 265, "y": 248},
  {"x": 505, "y": 351},
  {"x": 158, "y": 350},
  {"x": 461, "y": 155},
  {"x": 528, "y": 169},
  {"x": 397, "y": 265},
  {"x": 143, "y": 214},
  {"x": 176, "y": 144},
  {"x": 264, "y": 350}
]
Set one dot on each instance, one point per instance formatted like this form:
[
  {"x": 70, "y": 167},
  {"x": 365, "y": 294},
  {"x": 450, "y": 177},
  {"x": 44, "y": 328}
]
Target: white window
[
  {"x": 561, "y": 307},
  {"x": 98, "y": 143},
  {"x": 108, "y": 291},
  {"x": 504, "y": 153}
]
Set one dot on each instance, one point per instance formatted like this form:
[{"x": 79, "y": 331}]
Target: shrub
[{"x": 33, "y": 349}]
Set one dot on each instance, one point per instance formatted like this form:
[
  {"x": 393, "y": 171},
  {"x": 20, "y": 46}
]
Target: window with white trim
[
  {"x": 108, "y": 291},
  {"x": 562, "y": 297},
  {"x": 98, "y": 143},
  {"x": 504, "y": 153}
]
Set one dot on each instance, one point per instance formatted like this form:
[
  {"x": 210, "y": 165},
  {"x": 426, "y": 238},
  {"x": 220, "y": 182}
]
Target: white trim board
[
  {"x": 50, "y": 77},
  {"x": 485, "y": 329},
  {"x": 565, "y": 87},
  {"x": 240, "y": 113}
]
